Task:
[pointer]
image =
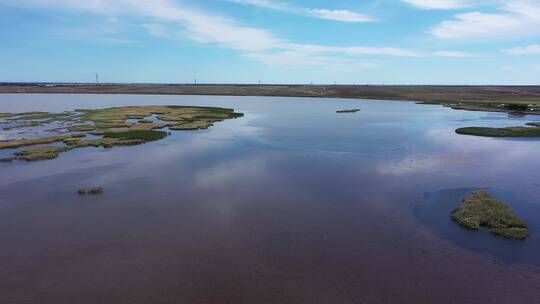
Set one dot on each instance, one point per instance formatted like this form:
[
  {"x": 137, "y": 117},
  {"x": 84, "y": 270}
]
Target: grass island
[
  {"x": 481, "y": 209},
  {"x": 531, "y": 130}
]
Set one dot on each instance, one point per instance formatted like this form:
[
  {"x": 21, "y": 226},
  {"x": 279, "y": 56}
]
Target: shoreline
[{"x": 518, "y": 100}]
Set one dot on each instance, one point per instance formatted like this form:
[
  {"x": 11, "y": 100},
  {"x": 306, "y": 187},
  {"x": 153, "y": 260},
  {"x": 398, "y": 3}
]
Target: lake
[{"x": 292, "y": 203}]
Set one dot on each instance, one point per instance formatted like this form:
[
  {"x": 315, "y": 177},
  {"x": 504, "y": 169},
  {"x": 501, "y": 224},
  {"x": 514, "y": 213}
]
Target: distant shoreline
[{"x": 512, "y": 99}]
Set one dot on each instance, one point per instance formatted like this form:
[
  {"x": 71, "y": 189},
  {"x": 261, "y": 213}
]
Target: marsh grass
[
  {"x": 112, "y": 124},
  {"x": 16, "y": 143},
  {"x": 481, "y": 209},
  {"x": 145, "y": 135},
  {"x": 40, "y": 153},
  {"x": 81, "y": 128},
  {"x": 500, "y": 132}
]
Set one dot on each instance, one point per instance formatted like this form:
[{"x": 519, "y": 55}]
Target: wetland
[{"x": 287, "y": 202}]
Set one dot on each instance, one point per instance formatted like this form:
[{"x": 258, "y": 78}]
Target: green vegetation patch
[
  {"x": 197, "y": 125},
  {"x": 42, "y": 116},
  {"x": 112, "y": 124},
  {"x": 149, "y": 126},
  {"x": 500, "y": 132},
  {"x": 81, "y": 128},
  {"x": 40, "y": 153},
  {"x": 145, "y": 135},
  {"x": 481, "y": 209},
  {"x": 516, "y": 107},
  {"x": 103, "y": 142},
  {"x": 16, "y": 143}
]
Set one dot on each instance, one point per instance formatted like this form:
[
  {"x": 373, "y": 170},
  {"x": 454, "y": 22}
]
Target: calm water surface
[{"x": 292, "y": 203}]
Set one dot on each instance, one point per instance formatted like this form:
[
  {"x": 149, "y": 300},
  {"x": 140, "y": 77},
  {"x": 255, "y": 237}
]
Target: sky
[{"x": 271, "y": 41}]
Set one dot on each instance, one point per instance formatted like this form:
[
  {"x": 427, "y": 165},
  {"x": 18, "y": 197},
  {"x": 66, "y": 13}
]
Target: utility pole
[
  {"x": 195, "y": 81},
  {"x": 97, "y": 78}
]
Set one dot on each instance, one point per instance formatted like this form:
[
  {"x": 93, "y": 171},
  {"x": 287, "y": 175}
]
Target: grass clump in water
[
  {"x": 91, "y": 191},
  {"x": 40, "y": 153},
  {"x": 481, "y": 209},
  {"x": 348, "y": 111}
]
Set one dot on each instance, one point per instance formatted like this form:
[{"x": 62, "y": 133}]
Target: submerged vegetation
[
  {"x": 110, "y": 127},
  {"x": 91, "y": 191},
  {"x": 481, "y": 209}
]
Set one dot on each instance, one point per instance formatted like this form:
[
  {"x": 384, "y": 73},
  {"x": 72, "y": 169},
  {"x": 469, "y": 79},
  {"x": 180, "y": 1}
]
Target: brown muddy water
[{"x": 292, "y": 203}]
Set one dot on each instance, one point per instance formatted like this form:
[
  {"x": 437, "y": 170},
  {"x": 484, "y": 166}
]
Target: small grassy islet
[
  {"x": 481, "y": 209},
  {"x": 40, "y": 153},
  {"x": 91, "y": 191},
  {"x": 348, "y": 111},
  {"x": 531, "y": 130}
]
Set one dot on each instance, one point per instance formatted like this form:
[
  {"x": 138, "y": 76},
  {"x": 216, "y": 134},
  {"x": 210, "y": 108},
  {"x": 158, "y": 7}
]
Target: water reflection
[{"x": 292, "y": 195}]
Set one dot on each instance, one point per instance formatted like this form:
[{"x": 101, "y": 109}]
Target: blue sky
[{"x": 272, "y": 41}]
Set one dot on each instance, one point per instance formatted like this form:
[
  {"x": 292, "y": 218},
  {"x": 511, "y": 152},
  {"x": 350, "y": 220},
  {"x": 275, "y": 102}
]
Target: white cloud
[
  {"x": 533, "y": 49},
  {"x": 295, "y": 59},
  {"x": 321, "y": 13},
  {"x": 354, "y": 50},
  {"x": 197, "y": 24},
  {"x": 254, "y": 43},
  {"x": 455, "y": 54},
  {"x": 339, "y": 15},
  {"x": 438, "y": 4},
  {"x": 157, "y": 30},
  {"x": 293, "y": 55},
  {"x": 514, "y": 17}
]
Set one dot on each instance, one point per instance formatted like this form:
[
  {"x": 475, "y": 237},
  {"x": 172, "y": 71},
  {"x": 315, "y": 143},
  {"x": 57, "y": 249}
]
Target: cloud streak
[
  {"x": 320, "y": 13},
  {"x": 438, "y": 4},
  {"x": 514, "y": 17},
  {"x": 533, "y": 49},
  {"x": 254, "y": 43}
]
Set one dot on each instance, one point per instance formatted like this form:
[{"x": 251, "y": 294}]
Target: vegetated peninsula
[
  {"x": 118, "y": 126},
  {"x": 532, "y": 131},
  {"x": 481, "y": 209}
]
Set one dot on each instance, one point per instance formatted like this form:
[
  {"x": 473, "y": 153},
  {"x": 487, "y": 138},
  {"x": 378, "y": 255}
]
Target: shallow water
[{"x": 292, "y": 203}]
